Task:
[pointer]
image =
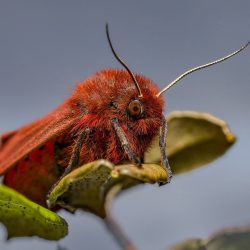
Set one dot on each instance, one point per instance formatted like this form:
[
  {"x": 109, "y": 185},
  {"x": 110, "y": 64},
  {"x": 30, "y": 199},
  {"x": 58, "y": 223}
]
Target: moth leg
[
  {"x": 74, "y": 160},
  {"x": 162, "y": 144},
  {"x": 124, "y": 142},
  {"x": 75, "y": 156}
]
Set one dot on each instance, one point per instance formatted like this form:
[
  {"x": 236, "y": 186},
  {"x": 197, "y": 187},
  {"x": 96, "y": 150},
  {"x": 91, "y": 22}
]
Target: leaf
[
  {"x": 237, "y": 238},
  {"x": 82, "y": 188},
  {"x": 193, "y": 244},
  {"x": 193, "y": 139},
  {"x": 88, "y": 187},
  {"x": 23, "y": 217}
]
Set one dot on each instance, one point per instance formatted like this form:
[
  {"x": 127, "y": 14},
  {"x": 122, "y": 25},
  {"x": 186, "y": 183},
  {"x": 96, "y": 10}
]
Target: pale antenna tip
[{"x": 202, "y": 67}]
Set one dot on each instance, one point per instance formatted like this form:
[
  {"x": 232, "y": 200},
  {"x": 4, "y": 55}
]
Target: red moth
[{"x": 112, "y": 115}]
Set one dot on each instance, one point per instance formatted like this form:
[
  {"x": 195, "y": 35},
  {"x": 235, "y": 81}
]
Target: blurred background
[{"x": 46, "y": 47}]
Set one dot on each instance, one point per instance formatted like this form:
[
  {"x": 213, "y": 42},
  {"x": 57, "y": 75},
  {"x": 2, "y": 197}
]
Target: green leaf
[
  {"x": 227, "y": 239},
  {"x": 193, "y": 140},
  {"x": 88, "y": 187},
  {"x": 23, "y": 217}
]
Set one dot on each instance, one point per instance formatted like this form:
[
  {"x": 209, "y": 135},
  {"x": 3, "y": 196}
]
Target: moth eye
[{"x": 135, "y": 108}]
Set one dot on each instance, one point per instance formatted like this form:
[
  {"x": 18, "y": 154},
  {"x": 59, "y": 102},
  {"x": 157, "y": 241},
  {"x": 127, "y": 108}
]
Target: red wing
[
  {"x": 18, "y": 144},
  {"x": 5, "y": 137}
]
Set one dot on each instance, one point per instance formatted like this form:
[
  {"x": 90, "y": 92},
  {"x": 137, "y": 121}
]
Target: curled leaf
[
  {"x": 88, "y": 186},
  {"x": 150, "y": 173},
  {"x": 82, "y": 188},
  {"x": 23, "y": 217},
  {"x": 193, "y": 139}
]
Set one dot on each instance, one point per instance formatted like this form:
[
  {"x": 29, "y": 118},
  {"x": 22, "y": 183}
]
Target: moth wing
[
  {"x": 6, "y": 136},
  {"x": 18, "y": 144}
]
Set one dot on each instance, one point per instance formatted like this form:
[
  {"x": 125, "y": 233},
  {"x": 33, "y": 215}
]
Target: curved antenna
[
  {"x": 121, "y": 62},
  {"x": 202, "y": 67}
]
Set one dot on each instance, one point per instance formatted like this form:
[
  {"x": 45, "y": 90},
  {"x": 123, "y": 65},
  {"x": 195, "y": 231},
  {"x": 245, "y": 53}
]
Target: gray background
[{"x": 48, "y": 46}]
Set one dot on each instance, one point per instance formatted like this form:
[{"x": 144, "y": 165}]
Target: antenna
[
  {"x": 201, "y": 67},
  {"x": 121, "y": 62}
]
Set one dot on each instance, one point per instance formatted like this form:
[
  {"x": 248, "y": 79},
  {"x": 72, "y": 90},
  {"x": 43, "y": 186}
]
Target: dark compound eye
[{"x": 135, "y": 108}]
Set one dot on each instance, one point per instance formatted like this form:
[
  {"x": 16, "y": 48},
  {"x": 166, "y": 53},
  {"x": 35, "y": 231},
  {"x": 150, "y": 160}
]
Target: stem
[
  {"x": 112, "y": 225},
  {"x": 118, "y": 233}
]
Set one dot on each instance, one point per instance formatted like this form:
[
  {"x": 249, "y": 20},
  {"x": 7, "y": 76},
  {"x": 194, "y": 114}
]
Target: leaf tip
[
  {"x": 114, "y": 173},
  {"x": 231, "y": 138}
]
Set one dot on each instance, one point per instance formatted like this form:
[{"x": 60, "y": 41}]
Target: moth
[{"x": 113, "y": 115}]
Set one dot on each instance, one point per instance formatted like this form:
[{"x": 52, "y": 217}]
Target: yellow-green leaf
[
  {"x": 23, "y": 217},
  {"x": 193, "y": 139},
  {"x": 82, "y": 188},
  {"x": 87, "y": 187}
]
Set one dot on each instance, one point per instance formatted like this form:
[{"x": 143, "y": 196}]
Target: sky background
[{"x": 46, "y": 47}]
